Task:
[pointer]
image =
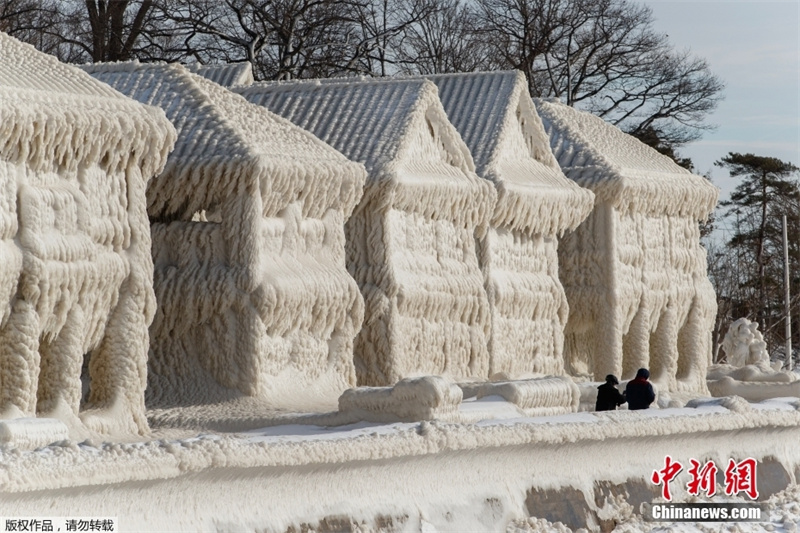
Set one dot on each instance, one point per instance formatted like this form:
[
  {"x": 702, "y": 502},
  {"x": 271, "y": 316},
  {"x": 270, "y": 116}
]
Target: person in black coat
[
  {"x": 639, "y": 392},
  {"x": 608, "y": 397}
]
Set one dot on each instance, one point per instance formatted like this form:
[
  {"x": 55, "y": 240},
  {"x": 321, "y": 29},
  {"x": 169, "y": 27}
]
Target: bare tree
[
  {"x": 29, "y": 20},
  {"x": 110, "y": 30},
  {"x": 445, "y": 41},
  {"x": 768, "y": 190},
  {"x": 283, "y": 39},
  {"x": 379, "y": 27},
  {"x": 604, "y": 56}
]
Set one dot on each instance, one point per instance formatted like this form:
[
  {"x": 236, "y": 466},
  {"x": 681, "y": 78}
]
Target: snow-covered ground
[{"x": 420, "y": 476}]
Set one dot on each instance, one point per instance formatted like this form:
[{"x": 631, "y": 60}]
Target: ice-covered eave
[
  {"x": 538, "y": 200},
  {"x": 53, "y": 131},
  {"x": 190, "y": 185},
  {"x": 646, "y": 191}
]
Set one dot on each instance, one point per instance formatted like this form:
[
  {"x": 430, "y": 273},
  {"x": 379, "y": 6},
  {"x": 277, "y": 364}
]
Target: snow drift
[
  {"x": 76, "y": 275},
  {"x": 410, "y": 241},
  {"x": 248, "y": 245},
  {"x": 634, "y": 272}
]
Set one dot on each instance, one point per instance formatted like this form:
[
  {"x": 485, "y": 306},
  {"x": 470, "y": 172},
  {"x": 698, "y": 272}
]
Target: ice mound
[
  {"x": 756, "y": 382},
  {"x": 634, "y": 272},
  {"x": 254, "y": 298},
  {"x": 551, "y": 395},
  {"x": 749, "y": 373},
  {"x": 76, "y": 275},
  {"x": 536, "y": 203},
  {"x": 32, "y": 433},
  {"x": 411, "y": 240},
  {"x": 409, "y": 400},
  {"x": 744, "y": 344}
]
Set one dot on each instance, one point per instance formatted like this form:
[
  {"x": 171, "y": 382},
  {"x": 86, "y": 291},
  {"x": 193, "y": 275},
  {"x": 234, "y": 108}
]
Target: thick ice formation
[
  {"x": 411, "y": 240},
  {"x": 536, "y": 203},
  {"x": 226, "y": 74},
  {"x": 634, "y": 271},
  {"x": 76, "y": 275},
  {"x": 744, "y": 344},
  {"x": 553, "y": 395},
  {"x": 248, "y": 245},
  {"x": 409, "y": 400},
  {"x": 32, "y": 433}
]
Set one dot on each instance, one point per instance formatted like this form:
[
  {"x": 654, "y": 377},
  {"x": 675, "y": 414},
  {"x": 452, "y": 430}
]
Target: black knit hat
[
  {"x": 643, "y": 373},
  {"x": 611, "y": 378}
]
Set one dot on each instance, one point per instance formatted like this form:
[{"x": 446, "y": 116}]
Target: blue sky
[{"x": 755, "y": 48}]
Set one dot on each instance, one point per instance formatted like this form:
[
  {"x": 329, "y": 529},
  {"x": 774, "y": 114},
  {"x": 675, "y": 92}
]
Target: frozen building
[
  {"x": 76, "y": 275},
  {"x": 536, "y": 203},
  {"x": 254, "y": 299},
  {"x": 634, "y": 271},
  {"x": 411, "y": 240}
]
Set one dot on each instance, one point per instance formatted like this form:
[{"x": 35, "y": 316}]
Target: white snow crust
[
  {"x": 411, "y": 244},
  {"x": 249, "y": 251},
  {"x": 634, "y": 272},
  {"x": 75, "y": 265}
]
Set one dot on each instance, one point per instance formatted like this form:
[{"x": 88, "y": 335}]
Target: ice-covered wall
[
  {"x": 411, "y": 240},
  {"x": 536, "y": 203},
  {"x": 634, "y": 272},
  {"x": 249, "y": 250},
  {"x": 75, "y": 266}
]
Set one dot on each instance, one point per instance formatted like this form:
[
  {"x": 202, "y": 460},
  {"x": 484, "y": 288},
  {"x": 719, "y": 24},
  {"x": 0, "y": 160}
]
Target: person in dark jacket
[
  {"x": 639, "y": 392},
  {"x": 608, "y": 397}
]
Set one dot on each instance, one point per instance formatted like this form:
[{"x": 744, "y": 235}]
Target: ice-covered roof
[
  {"x": 399, "y": 130},
  {"x": 56, "y": 116},
  {"x": 226, "y": 74},
  {"x": 619, "y": 168},
  {"x": 495, "y": 116},
  {"x": 227, "y": 145}
]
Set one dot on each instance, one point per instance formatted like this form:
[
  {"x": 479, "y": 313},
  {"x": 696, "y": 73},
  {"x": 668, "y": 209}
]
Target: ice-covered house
[
  {"x": 411, "y": 240},
  {"x": 634, "y": 271},
  {"x": 247, "y": 222},
  {"x": 76, "y": 275},
  {"x": 536, "y": 203}
]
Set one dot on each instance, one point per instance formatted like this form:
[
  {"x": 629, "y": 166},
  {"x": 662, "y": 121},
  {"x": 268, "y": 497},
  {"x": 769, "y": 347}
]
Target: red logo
[{"x": 739, "y": 477}]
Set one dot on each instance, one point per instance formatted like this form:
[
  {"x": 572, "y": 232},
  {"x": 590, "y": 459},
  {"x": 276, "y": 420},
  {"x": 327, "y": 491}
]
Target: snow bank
[
  {"x": 411, "y": 244},
  {"x": 495, "y": 116},
  {"x": 249, "y": 251},
  {"x": 634, "y": 272},
  {"x": 477, "y": 477},
  {"x": 75, "y": 265}
]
